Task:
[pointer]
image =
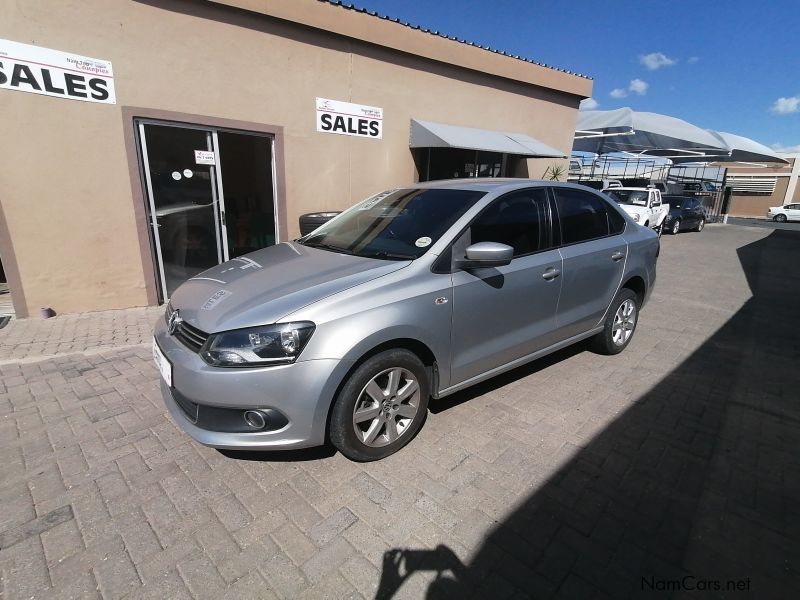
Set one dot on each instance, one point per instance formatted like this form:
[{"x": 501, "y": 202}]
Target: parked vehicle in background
[
  {"x": 787, "y": 212},
  {"x": 685, "y": 212},
  {"x": 666, "y": 188},
  {"x": 344, "y": 334},
  {"x": 644, "y": 205},
  {"x": 700, "y": 186}
]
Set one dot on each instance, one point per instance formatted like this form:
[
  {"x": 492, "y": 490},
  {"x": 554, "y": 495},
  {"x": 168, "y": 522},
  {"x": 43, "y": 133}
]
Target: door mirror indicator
[{"x": 486, "y": 254}]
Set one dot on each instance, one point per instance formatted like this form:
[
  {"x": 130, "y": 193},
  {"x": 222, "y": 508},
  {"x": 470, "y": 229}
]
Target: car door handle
[
  {"x": 551, "y": 274},
  {"x": 617, "y": 256}
]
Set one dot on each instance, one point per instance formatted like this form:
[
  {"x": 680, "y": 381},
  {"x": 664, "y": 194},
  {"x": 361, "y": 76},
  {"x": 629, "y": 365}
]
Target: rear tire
[
  {"x": 381, "y": 406},
  {"x": 620, "y": 324},
  {"x": 780, "y": 218}
]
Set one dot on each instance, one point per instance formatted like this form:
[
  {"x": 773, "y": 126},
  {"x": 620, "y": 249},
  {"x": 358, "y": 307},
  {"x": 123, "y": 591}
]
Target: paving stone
[
  {"x": 328, "y": 559},
  {"x": 35, "y": 527},
  {"x": 294, "y": 543},
  {"x": 332, "y": 526}
]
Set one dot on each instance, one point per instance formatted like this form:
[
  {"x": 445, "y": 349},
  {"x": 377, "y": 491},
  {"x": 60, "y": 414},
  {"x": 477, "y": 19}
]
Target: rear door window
[{"x": 582, "y": 215}]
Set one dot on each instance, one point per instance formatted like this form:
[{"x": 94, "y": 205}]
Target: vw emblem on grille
[{"x": 174, "y": 321}]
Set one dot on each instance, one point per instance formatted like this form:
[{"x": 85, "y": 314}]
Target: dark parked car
[{"x": 685, "y": 213}]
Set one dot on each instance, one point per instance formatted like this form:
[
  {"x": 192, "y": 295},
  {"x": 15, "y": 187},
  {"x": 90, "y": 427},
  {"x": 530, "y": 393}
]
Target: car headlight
[
  {"x": 275, "y": 344},
  {"x": 636, "y": 217}
]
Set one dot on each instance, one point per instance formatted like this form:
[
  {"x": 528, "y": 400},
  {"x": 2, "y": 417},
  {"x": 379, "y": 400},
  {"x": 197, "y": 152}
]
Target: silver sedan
[{"x": 346, "y": 334}]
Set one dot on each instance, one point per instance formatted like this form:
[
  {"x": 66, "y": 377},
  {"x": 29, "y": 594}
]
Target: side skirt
[{"x": 516, "y": 363}]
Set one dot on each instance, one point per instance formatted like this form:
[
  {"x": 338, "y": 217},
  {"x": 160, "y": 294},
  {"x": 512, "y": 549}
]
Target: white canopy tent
[
  {"x": 642, "y": 133},
  {"x": 626, "y": 130}
]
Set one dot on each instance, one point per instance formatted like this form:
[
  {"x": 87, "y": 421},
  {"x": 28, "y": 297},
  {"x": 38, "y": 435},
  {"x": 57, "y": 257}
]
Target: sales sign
[
  {"x": 345, "y": 118},
  {"x": 37, "y": 70}
]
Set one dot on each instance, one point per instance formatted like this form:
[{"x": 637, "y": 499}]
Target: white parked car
[
  {"x": 787, "y": 212},
  {"x": 643, "y": 204}
]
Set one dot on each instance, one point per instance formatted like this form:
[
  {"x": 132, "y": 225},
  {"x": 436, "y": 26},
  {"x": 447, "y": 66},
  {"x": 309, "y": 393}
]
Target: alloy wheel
[
  {"x": 624, "y": 322},
  {"x": 676, "y": 227},
  {"x": 386, "y": 407}
]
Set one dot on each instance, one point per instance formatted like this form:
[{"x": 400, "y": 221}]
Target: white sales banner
[
  {"x": 345, "y": 118},
  {"x": 37, "y": 70}
]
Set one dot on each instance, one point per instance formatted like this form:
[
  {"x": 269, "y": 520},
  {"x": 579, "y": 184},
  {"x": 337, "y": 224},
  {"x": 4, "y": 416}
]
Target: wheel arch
[
  {"x": 413, "y": 345},
  {"x": 638, "y": 286}
]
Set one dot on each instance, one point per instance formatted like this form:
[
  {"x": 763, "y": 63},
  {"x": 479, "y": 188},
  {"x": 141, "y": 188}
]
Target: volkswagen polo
[{"x": 345, "y": 334}]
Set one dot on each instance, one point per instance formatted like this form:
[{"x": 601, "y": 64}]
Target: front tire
[
  {"x": 620, "y": 324},
  {"x": 381, "y": 406},
  {"x": 700, "y": 224},
  {"x": 676, "y": 227},
  {"x": 780, "y": 218}
]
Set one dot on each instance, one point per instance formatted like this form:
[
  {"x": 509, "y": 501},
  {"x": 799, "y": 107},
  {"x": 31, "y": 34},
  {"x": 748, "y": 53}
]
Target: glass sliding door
[
  {"x": 210, "y": 196},
  {"x": 246, "y": 167}
]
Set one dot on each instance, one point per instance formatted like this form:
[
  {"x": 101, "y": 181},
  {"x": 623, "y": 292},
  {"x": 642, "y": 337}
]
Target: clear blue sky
[{"x": 732, "y": 61}]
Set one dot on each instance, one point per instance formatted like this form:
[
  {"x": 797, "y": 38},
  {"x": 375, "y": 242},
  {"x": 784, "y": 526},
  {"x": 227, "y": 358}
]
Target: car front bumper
[{"x": 299, "y": 393}]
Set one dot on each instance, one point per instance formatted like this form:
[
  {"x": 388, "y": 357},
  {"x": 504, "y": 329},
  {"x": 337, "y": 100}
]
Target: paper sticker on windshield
[
  {"x": 423, "y": 242},
  {"x": 218, "y": 297},
  {"x": 370, "y": 202}
]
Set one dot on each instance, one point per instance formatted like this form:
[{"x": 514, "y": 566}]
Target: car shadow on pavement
[
  {"x": 301, "y": 455},
  {"x": 695, "y": 487}
]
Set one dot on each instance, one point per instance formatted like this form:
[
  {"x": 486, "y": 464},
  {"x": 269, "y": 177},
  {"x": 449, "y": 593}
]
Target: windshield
[
  {"x": 631, "y": 197},
  {"x": 673, "y": 201},
  {"x": 394, "y": 225}
]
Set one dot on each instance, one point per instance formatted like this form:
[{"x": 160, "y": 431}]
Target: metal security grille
[{"x": 752, "y": 184}]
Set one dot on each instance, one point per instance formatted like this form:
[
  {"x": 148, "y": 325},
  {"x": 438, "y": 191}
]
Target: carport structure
[{"x": 644, "y": 146}]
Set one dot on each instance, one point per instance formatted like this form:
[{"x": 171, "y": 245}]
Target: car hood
[
  {"x": 261, "y": 287},
  {"x": 634, "y": 210}
]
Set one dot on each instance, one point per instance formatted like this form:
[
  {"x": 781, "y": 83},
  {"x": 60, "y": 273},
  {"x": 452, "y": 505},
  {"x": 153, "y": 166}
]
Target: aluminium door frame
[{"x": 217, "y": 189}]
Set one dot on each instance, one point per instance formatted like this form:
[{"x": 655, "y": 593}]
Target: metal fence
[{"x": 702, "y": 181}]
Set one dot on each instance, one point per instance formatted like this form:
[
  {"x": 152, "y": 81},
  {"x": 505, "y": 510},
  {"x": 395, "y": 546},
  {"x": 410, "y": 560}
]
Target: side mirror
[{"x": 485, "y": 254}]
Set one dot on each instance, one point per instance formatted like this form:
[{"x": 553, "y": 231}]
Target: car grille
[{"x": 191, "y": 337}]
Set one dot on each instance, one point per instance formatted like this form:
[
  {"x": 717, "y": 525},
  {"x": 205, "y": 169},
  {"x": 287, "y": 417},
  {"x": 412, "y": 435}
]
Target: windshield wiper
[
  {"x": 389, "y": 256},
  {"x": 324, "y": 246}
]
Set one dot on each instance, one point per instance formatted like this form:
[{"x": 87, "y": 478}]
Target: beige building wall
[
  {"x": 750, "y": 205},
  {"x": 756, "y": 206},
  {"x": 66, "y": 191}
]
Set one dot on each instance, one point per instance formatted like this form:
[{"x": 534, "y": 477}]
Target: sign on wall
[
  {"x": 37, "y": 70},
  {"x": 345, "y": 118},
  {"x": 204, "y": 157}
]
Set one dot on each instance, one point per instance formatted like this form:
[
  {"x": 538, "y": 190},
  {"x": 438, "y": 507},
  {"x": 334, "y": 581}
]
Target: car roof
[{"x": 492, "y": 184}]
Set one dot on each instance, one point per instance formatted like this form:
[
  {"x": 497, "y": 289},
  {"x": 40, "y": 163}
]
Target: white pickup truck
[{"x": 643, "y": 204}]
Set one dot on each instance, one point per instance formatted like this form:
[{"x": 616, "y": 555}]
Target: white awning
[{"x": 425, "y": 134}]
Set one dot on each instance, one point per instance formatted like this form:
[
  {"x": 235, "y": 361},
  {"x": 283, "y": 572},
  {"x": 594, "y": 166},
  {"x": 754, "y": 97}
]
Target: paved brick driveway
[{"x": 675, "y": 463}]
